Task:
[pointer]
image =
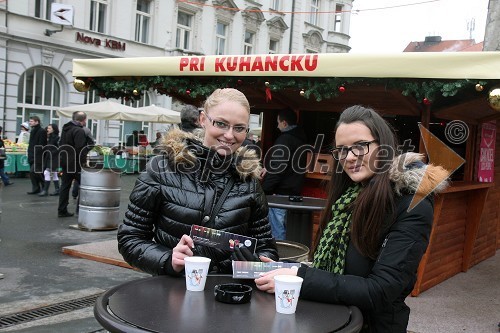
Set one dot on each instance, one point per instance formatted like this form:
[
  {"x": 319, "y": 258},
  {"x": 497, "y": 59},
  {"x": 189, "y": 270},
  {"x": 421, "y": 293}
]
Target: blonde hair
[{"x": 226, "y": 94}]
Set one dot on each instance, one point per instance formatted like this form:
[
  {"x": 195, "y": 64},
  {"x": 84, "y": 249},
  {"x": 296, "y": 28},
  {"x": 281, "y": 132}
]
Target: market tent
[
  {"x": 164, "y": 115},
  {"x": 109, "y": 110}
]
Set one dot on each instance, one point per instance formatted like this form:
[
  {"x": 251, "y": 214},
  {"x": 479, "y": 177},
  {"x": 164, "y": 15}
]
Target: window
[
  {"x": 38, "y": 94},
  {"x": 42, "y": 9},
  {"x": 142, "y": 21},
  {"x": 184, "y": 29},
  {"x": 337, "y": 24},
  {"x": 98, "y": 15},
  {"x": 276, "y": 4},
  {"x": 273, "y": 46},
  {"x": 249, "y": 41},
  {"x": 220, "y": 38},
  {"x": 314, "y": 12}
]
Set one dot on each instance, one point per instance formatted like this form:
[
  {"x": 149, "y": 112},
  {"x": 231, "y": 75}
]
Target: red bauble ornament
[
  {"x": 342, "y": 89},
  {"x": 240, "y": 82},
  {"x": 188, "y": 92},
  {"x": 427, "y": 101}
]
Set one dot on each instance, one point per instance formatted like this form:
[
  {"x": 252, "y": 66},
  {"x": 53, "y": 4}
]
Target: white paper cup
[
  {"x": 286, "y": 293},
  {"x": 196, "y": 269}
]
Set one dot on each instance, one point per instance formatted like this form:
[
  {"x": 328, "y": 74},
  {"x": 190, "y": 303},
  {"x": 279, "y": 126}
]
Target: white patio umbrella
[
  {"x": 163, "y": 115},
  {"x": 109, "y": 110}
]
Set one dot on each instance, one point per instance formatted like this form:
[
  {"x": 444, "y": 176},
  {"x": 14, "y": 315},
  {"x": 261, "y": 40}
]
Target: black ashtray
[{"x": 233, "y": 293}]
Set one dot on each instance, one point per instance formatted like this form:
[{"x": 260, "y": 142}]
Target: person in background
[
  {"x": 75, "y": 190},
  {"x": 183, "y": 184},
  {"x": 158, "y": 140},
  {"x": 38, "y": 139},
  {"x": 51, "y": 160},
  {"x": 281, "y": 175},
  {"x": 190, "y": 118},
  {"x": 24, "y": 134},
  {"x": 5, "y": 179},
  {"x": 370, "y": 241},
  {"x": 73, "y": 155},
  {"x": 133, "y": 139},
  {"x": 143, "y": 139}
]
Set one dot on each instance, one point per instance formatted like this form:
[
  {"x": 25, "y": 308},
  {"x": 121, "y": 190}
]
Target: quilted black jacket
[{"x": 179, "y": 188}]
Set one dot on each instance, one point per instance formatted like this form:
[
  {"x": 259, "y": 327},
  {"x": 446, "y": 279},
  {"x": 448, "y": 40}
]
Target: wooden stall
[{"x": 436, "y": 90}]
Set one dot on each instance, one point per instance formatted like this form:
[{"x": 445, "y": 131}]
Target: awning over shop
[
  {"x": 454, "y": 85},
  {"x": 443, "y": 65}
]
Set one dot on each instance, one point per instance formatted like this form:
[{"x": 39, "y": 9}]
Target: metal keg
[
  {"x": 288, "y": 250},
  {"x": 99, "y": 207}
]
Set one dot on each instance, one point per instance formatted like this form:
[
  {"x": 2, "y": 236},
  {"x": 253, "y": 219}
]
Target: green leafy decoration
[{"x": 317, "y": 88}]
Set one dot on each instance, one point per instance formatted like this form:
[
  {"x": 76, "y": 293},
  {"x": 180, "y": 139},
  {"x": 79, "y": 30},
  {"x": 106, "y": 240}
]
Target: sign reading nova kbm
[{"x": 107, "y": 43}]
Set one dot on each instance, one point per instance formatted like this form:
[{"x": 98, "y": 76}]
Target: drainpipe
[
  {"x": 5, "y": 69},
  {"x": 291, "y": 27}
]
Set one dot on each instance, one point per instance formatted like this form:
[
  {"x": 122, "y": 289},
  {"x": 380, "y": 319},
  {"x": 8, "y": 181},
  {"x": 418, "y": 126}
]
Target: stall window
[
  {"x": 98, "y": 9},
  {"x": 184, "y": 31},
  {"x": 38, "y": 94},
  {"x": 314, "y": 12},
  {"x": 249, "y": 42},
  {"x": 42, "y": 9},
  {"x": 142, "y": 21},
  {"x": 221, "y": 38},
  {"x": 337, "y": 24}
]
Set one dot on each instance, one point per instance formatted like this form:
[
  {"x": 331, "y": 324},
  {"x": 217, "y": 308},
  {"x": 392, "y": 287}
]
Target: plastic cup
[
  {"x": 196, "y": 269},
  {"x": 286, "y": 293}
]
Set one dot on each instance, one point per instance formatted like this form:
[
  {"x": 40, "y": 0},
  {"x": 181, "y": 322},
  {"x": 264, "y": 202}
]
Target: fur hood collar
[
  {"x": 187, "y": 149},
  {"x": 409, "y": 173}
]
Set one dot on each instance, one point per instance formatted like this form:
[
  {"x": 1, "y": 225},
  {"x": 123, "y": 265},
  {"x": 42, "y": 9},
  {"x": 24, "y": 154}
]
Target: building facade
[{"x": 36, "y": 54}]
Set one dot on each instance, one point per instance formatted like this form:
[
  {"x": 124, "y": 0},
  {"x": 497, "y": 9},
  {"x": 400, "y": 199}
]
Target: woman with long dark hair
[
  {"x": 51, "y": 160},
  {"x": 371, "y": 237}
]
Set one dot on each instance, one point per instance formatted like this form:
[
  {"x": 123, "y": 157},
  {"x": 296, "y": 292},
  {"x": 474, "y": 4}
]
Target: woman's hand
[
  {"x": 181, "y": 251},
  {"x": 266, "y": 281}
]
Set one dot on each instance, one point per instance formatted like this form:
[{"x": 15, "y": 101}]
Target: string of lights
[{"x": 355, "y": 11}]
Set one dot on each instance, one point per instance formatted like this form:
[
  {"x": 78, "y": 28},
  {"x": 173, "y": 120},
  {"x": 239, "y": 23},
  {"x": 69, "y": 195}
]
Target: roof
[{"x": 436, "y": 44}]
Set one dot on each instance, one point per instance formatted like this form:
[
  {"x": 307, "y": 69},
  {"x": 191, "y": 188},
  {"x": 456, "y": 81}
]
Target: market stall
[
  {"x": 454, "y": 96},
  {"x": 127, "y": 159},
  {"x": 16, "y": 158}
]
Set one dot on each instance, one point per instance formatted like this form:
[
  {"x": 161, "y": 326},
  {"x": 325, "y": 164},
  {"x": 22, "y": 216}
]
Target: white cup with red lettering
[
  {"x": 286, "y": 293},
  {"x": 196, "y": 269}
]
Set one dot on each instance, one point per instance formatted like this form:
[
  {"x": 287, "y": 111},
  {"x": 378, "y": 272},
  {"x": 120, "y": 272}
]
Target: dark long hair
[
  {"x": 376, "y": 200},
  {"x": 55, "y": 128}
]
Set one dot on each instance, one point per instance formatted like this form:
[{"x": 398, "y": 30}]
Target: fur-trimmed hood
[
  {"x": 187, "y": 149},
  {"x": 410, "y": 174}
]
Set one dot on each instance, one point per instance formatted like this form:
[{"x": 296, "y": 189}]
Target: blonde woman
[{"x": 181, "y": 187}]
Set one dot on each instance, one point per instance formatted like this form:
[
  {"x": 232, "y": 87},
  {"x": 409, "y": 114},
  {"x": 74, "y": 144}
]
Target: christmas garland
[{"x": 317, "y": 88}]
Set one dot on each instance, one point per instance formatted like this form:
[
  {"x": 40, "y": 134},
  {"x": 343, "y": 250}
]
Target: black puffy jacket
[
  {"x": 379, "y": 287},
  {"x": 179, "y": 188}
]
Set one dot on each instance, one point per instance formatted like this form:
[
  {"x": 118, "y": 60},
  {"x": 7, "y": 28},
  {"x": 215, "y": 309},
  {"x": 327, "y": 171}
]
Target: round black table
[
  {"x": 298, "y": 216},
  {"x": 162, "y": 304}
]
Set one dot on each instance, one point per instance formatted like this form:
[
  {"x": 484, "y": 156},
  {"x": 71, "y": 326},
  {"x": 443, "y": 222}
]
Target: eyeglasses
[
  {"x": 226, "y": 127},
  {"x": 359, "y": 149}
]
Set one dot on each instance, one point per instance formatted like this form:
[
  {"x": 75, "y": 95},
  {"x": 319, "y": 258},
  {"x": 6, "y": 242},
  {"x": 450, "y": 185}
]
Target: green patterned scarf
[{"x": 330, "y": 254}]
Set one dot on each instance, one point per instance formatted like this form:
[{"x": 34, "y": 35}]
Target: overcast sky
[{"x": 392, "y": 29}]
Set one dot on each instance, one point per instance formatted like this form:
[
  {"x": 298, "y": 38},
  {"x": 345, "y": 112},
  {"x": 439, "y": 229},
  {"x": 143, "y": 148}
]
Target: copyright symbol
[{"x": 456, "y": 132}]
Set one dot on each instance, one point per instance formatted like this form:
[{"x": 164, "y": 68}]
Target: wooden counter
[{"x": 457, "y": 216}]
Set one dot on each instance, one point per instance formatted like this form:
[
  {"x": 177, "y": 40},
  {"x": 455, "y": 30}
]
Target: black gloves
[{"x": 242, "y": 253}]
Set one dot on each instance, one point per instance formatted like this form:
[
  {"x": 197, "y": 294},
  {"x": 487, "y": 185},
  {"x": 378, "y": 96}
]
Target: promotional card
[
  {"x": 252, "y": 269},
  {"x": 221, "y": 239}
]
